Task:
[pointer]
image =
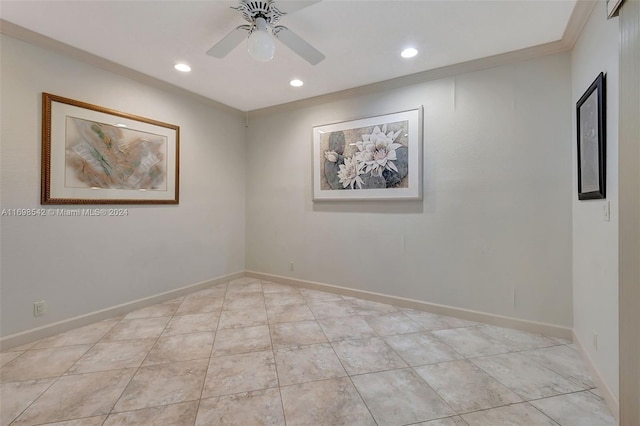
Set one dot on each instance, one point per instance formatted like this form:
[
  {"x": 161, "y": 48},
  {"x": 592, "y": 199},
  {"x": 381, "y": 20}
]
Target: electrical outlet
[
  {"x": 291, "y": 266},
  {"x": 39, "y": 308},
  {"x": 595, "y": 340}
]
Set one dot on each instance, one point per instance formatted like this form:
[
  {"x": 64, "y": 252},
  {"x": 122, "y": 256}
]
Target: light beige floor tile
[
  {"x": 86, "y": 421},
  {"x": 597, "y": 392},
  {"x": 525, "y": 377},
  {"x": 165, "y": 309},
  {"x": 245, "y": 409},
  {"x": 163, "y": 384},
  {"x": 5, "y": 357},
  {"x": 240, "y": 373},
  {"x": 471, "y": 342},
  {"x": 360, "y": 356},
  {"x": 239, "y": 282},
  {"x": 421, "y": 348},
  {"x": 240, "y": 340},
  {"x": 325, "y": 402},
  {"x": 517, "y": 340},
  {"x": 218, "y": 290},
  {"x": 449, "y": 421},
  {"x": 431, "y": 321},
  {"x": 80, "y": 336},
  {"x": 513, "y": 415},
  {"x": 20, "y": 348},
  {"x": 565, "y": 361},
  {"x": 400, "y": 397},
  {"x": 200, "y": 303},
  {"x": 192, "y": 323},
  {"x": 243, "y": 318},
  {"x": 181, "y": 414},
  {"x": 113, "y": 356},
  {"x": 289, "y": 313},
  {"x": 244, "y": 362},
  {"x": 135, "y": 329},
  {"x": 576, "y": 409},
  {"x": 42, "y": 363},
  {"x": 16, "y": 396},
  {"x": 465, "y": 387},
  {"x": 243, "y": 301},
  {"x": 346, "y": 328},
  {"x": 296, "y": 333},
  {"x": 181, "y": 347},
  {"x": 284, "y": 299},
  {"x": 77, "y": 396},
  {"x": 331, "y": 309},
  {"x": 307, "y": 363},
  {"x": 393, "y": 323},
  {"x": 270, "y": 287},
  {"x": 315, "y": 296},
  {"x": 367, "y": 307}
]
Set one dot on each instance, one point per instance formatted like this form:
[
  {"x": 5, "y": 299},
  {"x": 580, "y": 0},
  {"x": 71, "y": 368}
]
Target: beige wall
[
  {"x": 595, "y": 241},
  {"x": 629, "y": 213},
  {"x": 496, "y": 214},
  {"x": 79, "y": 265}
]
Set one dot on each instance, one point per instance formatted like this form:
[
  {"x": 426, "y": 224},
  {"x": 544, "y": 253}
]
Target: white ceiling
[{"x": 362, "y": 40}]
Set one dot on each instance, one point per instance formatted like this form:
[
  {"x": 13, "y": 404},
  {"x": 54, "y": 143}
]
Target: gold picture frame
[{"x": 97, "y": 155}]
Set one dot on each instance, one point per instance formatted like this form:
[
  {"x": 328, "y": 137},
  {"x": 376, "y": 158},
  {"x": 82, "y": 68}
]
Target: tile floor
[{"x": 251, "y": 352}]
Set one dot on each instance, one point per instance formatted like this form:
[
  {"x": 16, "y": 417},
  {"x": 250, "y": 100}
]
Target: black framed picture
[{"x": 591, "y": 130}]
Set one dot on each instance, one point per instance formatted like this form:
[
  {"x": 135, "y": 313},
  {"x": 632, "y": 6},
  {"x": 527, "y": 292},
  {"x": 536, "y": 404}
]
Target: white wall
[
  {"x": 82, "y": 264},
  {"x": 496, "y": 214},
  {"x": 595, "y": 242}
]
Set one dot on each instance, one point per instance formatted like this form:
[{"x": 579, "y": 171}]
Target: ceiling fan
[{"x": 263, "y": 16}]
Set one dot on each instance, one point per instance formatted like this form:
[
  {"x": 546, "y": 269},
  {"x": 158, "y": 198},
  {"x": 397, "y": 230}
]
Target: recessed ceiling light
[
  {"x": 409, "y": 52},
  {"x": 296, "y": 83},
  {"x": 182, "y": 67}
]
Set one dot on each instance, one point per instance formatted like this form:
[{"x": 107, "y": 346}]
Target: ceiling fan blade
[
  {"x": 298, "y": 45},
  {"x": 289, "y": 7},
  {"x": 229, "y": 42}
]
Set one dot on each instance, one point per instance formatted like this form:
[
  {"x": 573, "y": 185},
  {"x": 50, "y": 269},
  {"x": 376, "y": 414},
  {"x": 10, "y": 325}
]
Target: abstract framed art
[
  {"x": 96, "y": 155},
  {"x": 373, "y": 158},
  {"x": 591, "y": 131}
]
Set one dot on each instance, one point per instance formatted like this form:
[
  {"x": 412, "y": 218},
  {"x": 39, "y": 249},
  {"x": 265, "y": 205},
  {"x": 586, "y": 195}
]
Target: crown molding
[
  {"x": 12, "y": 30},
  {"x": 579, "y": 17}
]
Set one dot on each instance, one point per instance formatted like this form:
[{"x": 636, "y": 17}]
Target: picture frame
[
  {"x": 613, "y": 6},
  {"x": 591, "y": 131},
  {"x": 372, "y": 158},
  {"x": 96, "y": 155}
]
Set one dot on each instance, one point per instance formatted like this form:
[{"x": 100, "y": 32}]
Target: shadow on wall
[{"x": 370, "y": 206}]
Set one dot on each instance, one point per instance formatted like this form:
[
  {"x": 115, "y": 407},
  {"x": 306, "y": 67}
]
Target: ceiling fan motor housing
[{"x": 253, "y": 9}]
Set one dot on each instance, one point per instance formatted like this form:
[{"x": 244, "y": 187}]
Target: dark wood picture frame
[{"x": 592, "y": 131}]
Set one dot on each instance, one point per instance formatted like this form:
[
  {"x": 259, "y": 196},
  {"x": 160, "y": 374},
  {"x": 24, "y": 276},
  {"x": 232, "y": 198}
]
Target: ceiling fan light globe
[{"x": 261, "y": 46}]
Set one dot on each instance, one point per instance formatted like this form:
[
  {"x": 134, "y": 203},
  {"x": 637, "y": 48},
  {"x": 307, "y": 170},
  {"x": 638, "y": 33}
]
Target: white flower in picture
[
  {"x": 350, "y": 171},
  {"x": 378, "y": 150}
]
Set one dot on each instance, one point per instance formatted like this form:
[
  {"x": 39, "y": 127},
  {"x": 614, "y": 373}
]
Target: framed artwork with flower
[{"x": 374, "y": 158}]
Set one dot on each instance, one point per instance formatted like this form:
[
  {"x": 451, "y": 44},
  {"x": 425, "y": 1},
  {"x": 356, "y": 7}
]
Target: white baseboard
[
  {"x": 49, "y": 330},
  {"x": 499, "y": 320},
  {"x": 609, "y": 397},
  {"x": 82, "y": 320}
]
